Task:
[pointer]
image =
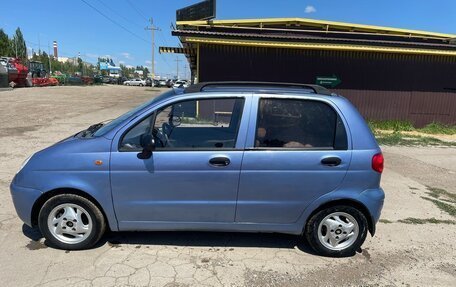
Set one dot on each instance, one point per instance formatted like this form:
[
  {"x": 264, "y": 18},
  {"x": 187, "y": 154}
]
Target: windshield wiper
[{"x": 92, "y": 129}]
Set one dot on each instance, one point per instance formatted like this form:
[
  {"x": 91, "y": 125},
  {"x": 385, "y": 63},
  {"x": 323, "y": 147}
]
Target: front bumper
[{"x": 24, "y": 198}]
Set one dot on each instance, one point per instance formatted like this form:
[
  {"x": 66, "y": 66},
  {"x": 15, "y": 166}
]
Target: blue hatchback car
[{"x": 244, "y": 157}]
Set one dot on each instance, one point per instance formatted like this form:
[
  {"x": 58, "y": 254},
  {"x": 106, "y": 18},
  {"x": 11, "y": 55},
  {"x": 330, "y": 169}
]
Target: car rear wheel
[
  {"x": 337, "y": 231},
  {"x": 141, "y": 85},
  {"x": 71, "y": 222}
]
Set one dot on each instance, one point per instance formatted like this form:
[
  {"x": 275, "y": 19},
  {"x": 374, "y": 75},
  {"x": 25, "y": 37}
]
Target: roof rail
[{"x": 201, "y": 86}]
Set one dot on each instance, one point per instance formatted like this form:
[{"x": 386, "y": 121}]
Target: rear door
[{"x": 296, "y": 151}]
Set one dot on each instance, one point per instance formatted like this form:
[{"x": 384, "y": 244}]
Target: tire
[
  {"x": 64, "y": 215},
  {"x": 141, "y": 85},
  {"x": 328, "y": 231}
]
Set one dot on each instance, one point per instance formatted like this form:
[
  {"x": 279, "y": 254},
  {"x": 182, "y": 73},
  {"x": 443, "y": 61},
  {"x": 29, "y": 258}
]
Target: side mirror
[
  {"x": 175, "y": 121},
  {"x": 148, "y": 145}
]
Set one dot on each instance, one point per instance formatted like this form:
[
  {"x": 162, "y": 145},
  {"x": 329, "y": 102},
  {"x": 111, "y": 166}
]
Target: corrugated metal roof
[{"x": 321, "y": 24}]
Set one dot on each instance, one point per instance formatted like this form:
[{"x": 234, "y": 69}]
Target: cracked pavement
[{"x": 399, "y": 255}]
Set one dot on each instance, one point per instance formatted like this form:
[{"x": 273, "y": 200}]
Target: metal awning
[{"x": 176, "y": 50}]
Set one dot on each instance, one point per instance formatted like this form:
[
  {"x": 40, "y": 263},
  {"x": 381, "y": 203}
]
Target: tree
[
  {"x": 19, "y": 46},
  {"x": 5, "y": 44},
  {"x": 146, "y": 72},
  {"x": 127, "y": 72},
  {"x": 80, "y": 65}
]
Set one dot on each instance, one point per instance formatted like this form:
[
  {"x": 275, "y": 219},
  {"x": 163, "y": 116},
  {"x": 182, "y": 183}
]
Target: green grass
[
  {"x": 446, "y": 207},
  {"x": 395, "y": 125},
  {"x": 438, "y": 193},
  {"x": 412, "y": 220},
  {"x": 403, "y": 126},
  {"x": 437, "y": 128},
  {"x": 385, "y": 221},
  {"x": 197, "y": 121},
  {"x": 397, "y": 138}
]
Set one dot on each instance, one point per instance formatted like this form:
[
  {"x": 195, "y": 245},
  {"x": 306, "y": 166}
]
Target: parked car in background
[
  {"x": 249, "y": 157},
  {"x": 135, "y": 82},
  {"x": 109, "y": 80},
  {"x": 97, "y": 79},
  {"x": 121, "y": 80},
  {"x": 162, "y": 83},
  {"x": 169, "y": 83},
  {"x": 181, "y": 84},
  {"x": 149, "y": 82}
]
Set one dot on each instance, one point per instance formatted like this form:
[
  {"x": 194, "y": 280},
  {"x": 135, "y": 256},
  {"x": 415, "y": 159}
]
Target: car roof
[{"x": 258, "y": 87}]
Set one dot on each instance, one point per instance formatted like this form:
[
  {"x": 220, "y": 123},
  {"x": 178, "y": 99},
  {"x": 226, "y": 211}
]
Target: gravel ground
[{"x": 401, "y": 254}]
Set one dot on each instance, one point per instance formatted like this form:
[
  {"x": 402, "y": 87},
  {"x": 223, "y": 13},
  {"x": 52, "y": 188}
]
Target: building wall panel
[{"x": 383, "y": 86}]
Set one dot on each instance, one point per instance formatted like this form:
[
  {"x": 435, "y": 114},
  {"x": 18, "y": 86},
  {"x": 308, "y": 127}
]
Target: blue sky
[{"x": 79, "y": 28}]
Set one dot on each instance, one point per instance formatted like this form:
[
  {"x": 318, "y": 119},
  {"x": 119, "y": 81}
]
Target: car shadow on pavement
[
  {"x": 192, "y": 239},
  {"x": 207, "y": 239}
]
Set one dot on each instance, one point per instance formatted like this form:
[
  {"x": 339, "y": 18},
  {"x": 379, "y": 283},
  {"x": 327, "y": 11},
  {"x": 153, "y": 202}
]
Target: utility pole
[
  {"x": 49, "y": 57},
  {"x": 152, "y": 28},
  {"x": 177, "y": 66}
]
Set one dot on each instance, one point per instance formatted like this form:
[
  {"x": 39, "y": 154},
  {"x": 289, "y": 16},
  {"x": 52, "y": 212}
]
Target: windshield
[{"x": 112, "y": 124}]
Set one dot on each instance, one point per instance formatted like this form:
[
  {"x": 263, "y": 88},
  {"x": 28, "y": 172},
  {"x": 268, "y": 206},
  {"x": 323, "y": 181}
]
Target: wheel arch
[
  {"x": 348, "y": 202},
  {"x": 47, "y": 195}
]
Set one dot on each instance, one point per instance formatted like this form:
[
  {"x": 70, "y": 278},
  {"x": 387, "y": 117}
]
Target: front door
[
  {"x": 192, "y": 176},
  {"x": 296, "y": 153}
]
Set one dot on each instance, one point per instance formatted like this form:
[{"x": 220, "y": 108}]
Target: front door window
[{"x": 208, "y": 124}]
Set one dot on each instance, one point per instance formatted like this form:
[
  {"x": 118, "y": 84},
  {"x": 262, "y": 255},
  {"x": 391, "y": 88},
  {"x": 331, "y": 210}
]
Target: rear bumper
[
  {"x": 24, "y": 198},
  {"x": 373, "y": 200}
]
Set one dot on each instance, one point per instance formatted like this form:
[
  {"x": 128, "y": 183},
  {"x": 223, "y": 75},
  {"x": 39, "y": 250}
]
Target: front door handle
[
  {"x": 219, "y": 161},
  {"x": 331, "y": 161}
]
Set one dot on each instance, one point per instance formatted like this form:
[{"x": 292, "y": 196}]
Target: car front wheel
[
  {"x": 337, "y": 231},
  {"x": 71, "y": 222}
]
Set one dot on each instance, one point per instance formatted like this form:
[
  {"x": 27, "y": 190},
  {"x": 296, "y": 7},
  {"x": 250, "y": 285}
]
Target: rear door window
[{"x": 298, "y": 124}]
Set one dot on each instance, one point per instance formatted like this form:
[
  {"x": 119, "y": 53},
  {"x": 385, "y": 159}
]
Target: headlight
[{"x": 24, "y": 163}]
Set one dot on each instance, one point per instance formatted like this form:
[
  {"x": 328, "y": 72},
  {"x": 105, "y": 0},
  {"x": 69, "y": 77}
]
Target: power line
[
  {"x": 163, "y": 38},
  {"x": 123, "y": 27},
  {"x": 137, "y": 11},
  {"x": 118, "y": 14},
  {"x": 137, "y": 25},
  {"x": 114, "y": 22}
]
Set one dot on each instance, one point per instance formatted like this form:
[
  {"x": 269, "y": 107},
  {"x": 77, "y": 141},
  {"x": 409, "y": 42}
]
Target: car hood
[
  {"x": 70, "y": 156},
  {"x": 75, "y": 144}
]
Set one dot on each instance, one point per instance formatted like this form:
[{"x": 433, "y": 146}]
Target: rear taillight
[{"x": 377, "y": 162}]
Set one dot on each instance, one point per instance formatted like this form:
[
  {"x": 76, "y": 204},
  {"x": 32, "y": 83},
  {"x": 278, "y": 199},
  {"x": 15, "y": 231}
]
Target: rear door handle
[
  {"x": 219, "y": 161},
  {"x": 331, "y": 161}
]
